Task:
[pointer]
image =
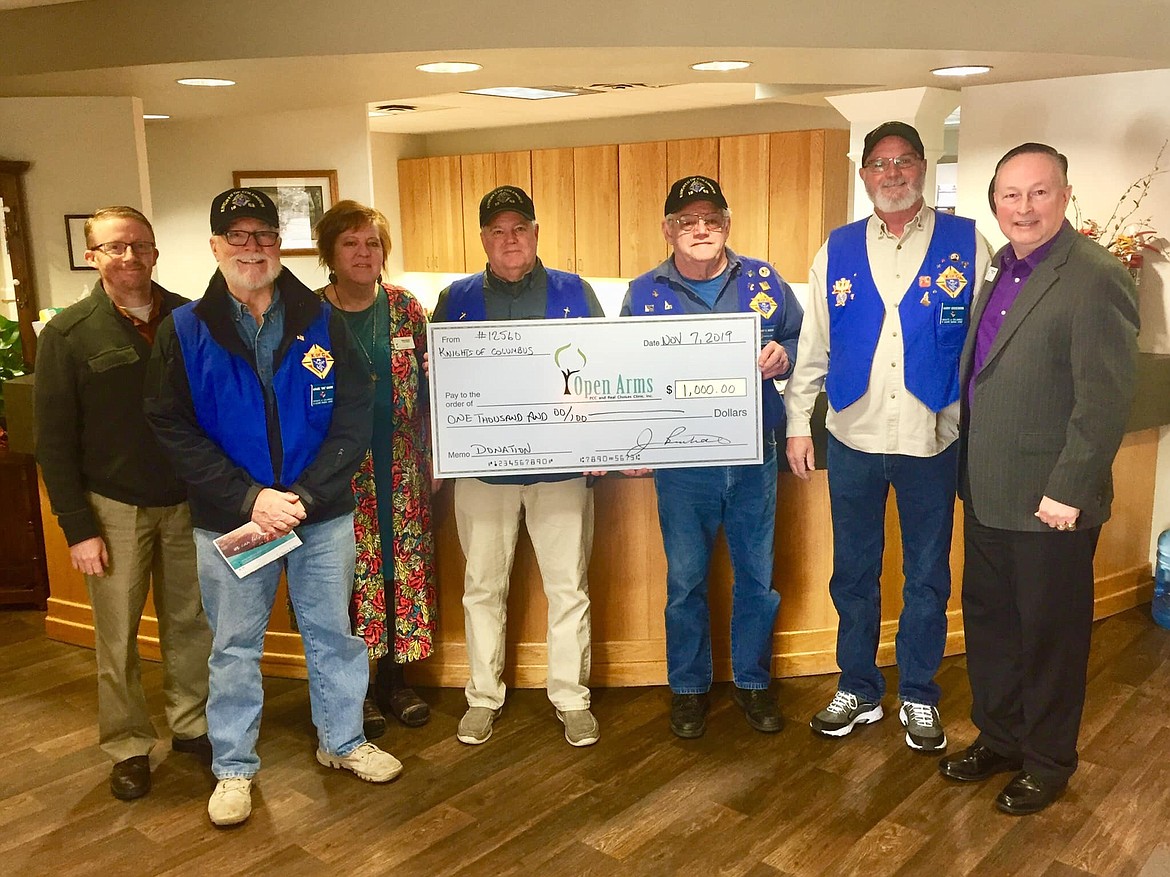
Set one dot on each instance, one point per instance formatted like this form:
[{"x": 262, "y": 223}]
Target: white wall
[
  {"x": 191, "y": 162},
  {"x": 86, "y": 153},
  {"x": 1111, "y": 128}
]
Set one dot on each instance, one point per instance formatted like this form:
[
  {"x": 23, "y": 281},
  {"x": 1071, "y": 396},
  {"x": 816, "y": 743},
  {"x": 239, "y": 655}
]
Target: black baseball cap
[
  {"x": 235, "y": 204},
  {"x": 689, "y": 189},
  {"x": 503, "y": 198},
  {"x": 892, "y": 129}
]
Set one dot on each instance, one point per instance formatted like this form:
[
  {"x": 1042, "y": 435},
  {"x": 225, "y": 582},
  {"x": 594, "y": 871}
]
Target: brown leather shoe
[
  {"x": 130, "y": 778},
  {"x": 373, "y": 722}
]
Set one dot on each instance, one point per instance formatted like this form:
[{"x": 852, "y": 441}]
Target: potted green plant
[{"x": 11, "y": 358}]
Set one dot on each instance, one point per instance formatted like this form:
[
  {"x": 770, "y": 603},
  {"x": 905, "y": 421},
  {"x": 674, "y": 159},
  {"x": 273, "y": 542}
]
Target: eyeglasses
[
  {"x": 237, "y": 237},
  {"x": 119, "y": 248},
  {"x": 687, "y": 222},
  {"x": 879, "y": 165}
]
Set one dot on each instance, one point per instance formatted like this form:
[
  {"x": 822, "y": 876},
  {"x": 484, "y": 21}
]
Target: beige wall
[
  {"x": 1110, "y": 127},
  {"x": 86, "y": 153},
  {"x": 191, "y": 162}
]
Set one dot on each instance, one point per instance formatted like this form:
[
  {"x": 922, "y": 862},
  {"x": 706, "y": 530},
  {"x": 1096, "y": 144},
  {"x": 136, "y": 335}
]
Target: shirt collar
[
  {"x": 155, "y": 307},
  {"x": 239, "y": 309},
  {"x": 513, "y": 287},
  {"x": 1034, "y": 258},
  {"x": 916, "y": 222}
]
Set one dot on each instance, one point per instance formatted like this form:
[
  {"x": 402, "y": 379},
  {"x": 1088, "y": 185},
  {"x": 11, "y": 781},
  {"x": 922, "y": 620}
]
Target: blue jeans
[
  {"x": 924, "y": 488},
  {"x": 692, "y": 503},
  {"x": 320, "y": 582}
]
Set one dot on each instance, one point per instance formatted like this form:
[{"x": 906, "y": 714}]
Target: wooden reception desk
[{"x": 627, "y": 579}]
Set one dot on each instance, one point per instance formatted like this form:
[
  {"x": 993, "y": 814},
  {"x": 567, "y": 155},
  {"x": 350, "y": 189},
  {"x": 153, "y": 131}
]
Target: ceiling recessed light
[
  {"x": 967, "y": 70},
  {"x": 449, "y": 67},
  {"x": 150, "y": 117},
  {"x": 525, "y": 93},
  {"x": 721, "y": 65},
  {"x": 206, "y": 82}
]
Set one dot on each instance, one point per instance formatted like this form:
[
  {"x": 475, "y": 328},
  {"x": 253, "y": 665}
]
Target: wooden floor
[{"x": 641, "y": 802}]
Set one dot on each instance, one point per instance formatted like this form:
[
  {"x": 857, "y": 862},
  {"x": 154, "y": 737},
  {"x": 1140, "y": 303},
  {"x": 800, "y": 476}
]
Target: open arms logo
[{"x": 564, "y": 357}]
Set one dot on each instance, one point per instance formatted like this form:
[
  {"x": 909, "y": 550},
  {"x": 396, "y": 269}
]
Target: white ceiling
[{"x": 290, "y": 54}]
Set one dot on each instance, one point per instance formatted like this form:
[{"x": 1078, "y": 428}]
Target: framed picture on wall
[
  {"x": 301, "y": 198},
  {"x": 75, "y": 241}
]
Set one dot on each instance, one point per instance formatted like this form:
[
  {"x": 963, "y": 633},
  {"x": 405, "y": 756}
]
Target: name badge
[
  {"x": 952, "y": 315},
  {"x": 402, "y": 342},
  {"x": 992, "y": 271},
  {"x": 320, "y": 394}
]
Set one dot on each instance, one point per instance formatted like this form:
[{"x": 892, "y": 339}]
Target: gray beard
[
  {"x": 236, "y": 278},
  {"x": 889, "y": 204}
]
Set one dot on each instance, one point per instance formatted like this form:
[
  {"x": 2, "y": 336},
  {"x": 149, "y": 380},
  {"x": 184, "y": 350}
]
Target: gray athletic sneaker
[
  {"x": 842, "y": 713},
  {"x": 924, "y": 730},
  {"x": 476, "y": 725}
]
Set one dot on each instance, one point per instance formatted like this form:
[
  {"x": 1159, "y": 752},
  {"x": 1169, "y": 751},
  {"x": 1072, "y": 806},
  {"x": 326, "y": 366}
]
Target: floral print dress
[{"x": 392, "y": 489}]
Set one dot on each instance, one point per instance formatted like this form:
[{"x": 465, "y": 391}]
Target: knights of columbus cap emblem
[
  {"x": 951, "y": 281},
  {"x": 318, "y": 360}
]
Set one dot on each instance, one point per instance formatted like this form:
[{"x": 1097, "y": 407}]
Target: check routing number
[{"x": 573, "y": 395}]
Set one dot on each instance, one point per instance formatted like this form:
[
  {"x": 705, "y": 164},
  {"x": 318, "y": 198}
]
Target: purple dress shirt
[{"x": 1013, "y": 274}]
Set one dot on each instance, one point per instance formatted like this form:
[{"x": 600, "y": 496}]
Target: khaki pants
[
  {"x": 559, "y": 517},
  {"x": 145, "y": 545}
]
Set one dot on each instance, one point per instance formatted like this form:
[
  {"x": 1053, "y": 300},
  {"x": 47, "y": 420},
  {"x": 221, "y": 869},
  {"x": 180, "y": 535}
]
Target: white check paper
[{"x": 533, "y": 396}]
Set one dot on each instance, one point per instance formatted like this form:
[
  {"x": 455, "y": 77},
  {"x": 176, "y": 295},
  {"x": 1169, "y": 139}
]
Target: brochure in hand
[{"x": 246, "y": 549}]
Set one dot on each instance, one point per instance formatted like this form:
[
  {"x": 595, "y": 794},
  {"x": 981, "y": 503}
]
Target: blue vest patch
[{"x": 935, "y": 313}]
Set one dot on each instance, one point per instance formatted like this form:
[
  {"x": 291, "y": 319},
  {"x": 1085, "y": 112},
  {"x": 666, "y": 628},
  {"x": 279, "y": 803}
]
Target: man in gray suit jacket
[{"x": 1047, "y": 376}]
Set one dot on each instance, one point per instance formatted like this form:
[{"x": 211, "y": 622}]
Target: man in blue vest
[
  {"x": 263, "y": 405},
  {"x": 889, "y": 305},
  {"x": 703, "y": 276},
  {"x": 557, "y": 509}
]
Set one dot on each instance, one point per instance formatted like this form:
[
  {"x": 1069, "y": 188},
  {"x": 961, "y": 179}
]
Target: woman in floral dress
[{"x": 392, "y": 488}]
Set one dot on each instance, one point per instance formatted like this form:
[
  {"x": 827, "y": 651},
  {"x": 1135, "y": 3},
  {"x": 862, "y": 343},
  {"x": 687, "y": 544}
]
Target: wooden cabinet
[
  {"x": 743, "y": 176},
  {"x": 24, "y": 580},
  {"x": 642, "y": 182},
  {"x": 686, "y": 158},
  {"x": 431, "y": 201},
  {"x": 808, "y": 191},
  {"x": 552, "y": 195},
  {"x": 595, "y": 206},
  {"x": 600, "y": 207},
  {"x": 575, "y": 191}
]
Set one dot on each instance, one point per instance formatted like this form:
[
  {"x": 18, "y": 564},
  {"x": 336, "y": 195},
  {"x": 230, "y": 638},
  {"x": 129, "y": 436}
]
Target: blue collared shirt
[{"x": 263, "y": 339}]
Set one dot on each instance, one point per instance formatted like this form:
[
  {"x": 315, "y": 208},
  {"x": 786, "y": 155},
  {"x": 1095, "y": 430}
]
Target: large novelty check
[{"x": 573, "y": 395}]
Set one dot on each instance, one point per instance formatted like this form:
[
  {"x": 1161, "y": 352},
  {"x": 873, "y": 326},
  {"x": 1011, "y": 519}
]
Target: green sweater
[{"x": 91, "y": 432}]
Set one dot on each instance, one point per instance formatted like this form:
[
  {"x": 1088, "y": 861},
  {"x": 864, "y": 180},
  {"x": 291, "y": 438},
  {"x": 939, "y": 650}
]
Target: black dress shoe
[
  {"x": 688, "y": 715},
  {"x": 975, "y": 764},
  {"x": 760, "y": 708},
  {"x": 198, "y": 746},
  {"x": 1027, "y": 793},
  {"x": 373, "y": 722},
  {"x": 130, "y": 779}
]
